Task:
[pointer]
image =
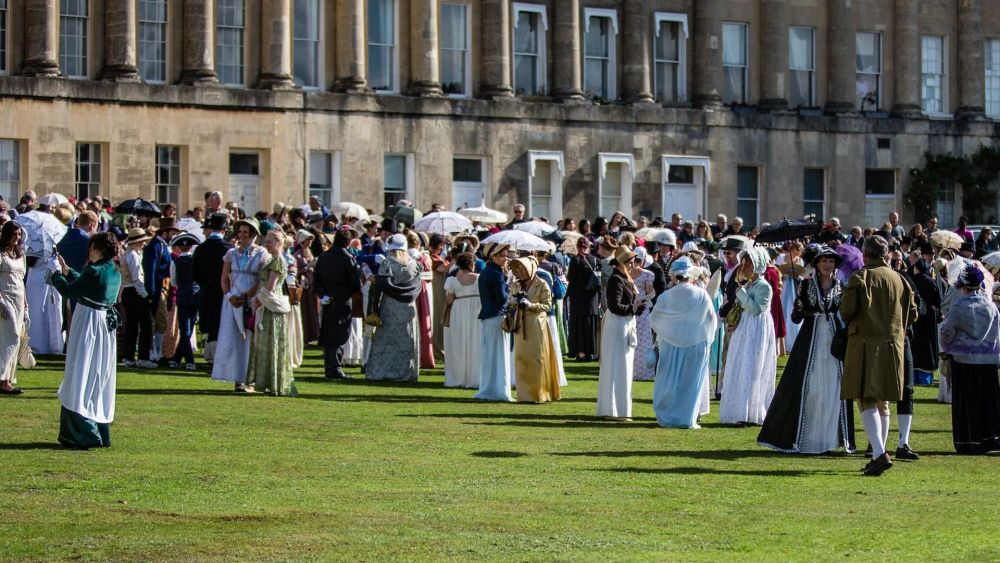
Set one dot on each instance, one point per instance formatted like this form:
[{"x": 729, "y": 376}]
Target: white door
[
  {"x": 245, "y": 190},
  {"x": 683, "y": 199},
  {"x": 877, "y": 210}
]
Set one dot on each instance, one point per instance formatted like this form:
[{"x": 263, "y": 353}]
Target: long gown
[
  {"x": 751, "y": 362},
  {"x": 45, "y": 330},
  {"x": 12, "y": 294},
  {"x": 789, "y": 292},
  {"x": 232, "y": 354},
  {"x": 806, "y": 415},
  {"x": 270, "y": 364},
  {"x": 644, "y": 334},
  {"x": 461, "y": 336},
  {"x": 395, "y": 351},
  {"x": 777, "y": 311},
  {"x": 584, "y": 306},
  {"x": 685, "y": 322},
  {"x": 614, "y": 380},
  {"x": 310, "y": 303},
  {"x": 424, "y": 312},
  {"x": 535, "y": 367}
]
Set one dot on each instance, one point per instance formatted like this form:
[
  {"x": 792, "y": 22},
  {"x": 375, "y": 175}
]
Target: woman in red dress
[
  {"x": 773, "y": 277},
  {"x": 416, "y": 242}
]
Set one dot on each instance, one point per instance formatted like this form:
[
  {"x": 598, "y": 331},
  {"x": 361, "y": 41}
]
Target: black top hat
[
  {"x": 967, "y": 247},
  {"x": 733, "y": 244},
  {"x": 926, "y": 248},
  {"x": 314, "y": 216},
  {"x": 651, "y": 246},
  {"x": 216, "y": 222},
  {"x": 185, "y": 239},
  {"x": 389, "y": 225}
]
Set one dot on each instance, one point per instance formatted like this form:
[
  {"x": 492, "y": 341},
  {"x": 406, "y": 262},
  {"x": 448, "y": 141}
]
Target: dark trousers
[
  {"x": 335, "y": 332},
  {"x": 138, "y": 325},
  {"x": 332, "y": 357},
  {"x": 906, "y": 405},
  {"x": 186, "y": 318}
]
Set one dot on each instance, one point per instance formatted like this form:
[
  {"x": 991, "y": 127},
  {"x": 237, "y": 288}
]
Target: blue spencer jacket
[
  {"x": 493, "y": 292},
  {"x": 156, "y": 267}
]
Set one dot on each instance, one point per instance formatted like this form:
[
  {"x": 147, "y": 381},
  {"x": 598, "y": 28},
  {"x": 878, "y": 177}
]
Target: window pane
[
  {"x": 813, "y": 184},
  {"x": 800, "y": 88},
  {"x": 10, "y": 170},
  {"x": 244, "y": 163},
  {"x": 454, "y": 48},
  {"x": 612, "y": 186},
  {"x": 306, "y": 46},
  {"x": 525, "y": 74},
  {"x": 880, "y": 182},
  {"x": 680, "y": 175},
  {"x": 746, "y": 183},
  {"x": 668, "y": 43},
  {"x": 747, "y": 209},
  {"x": 596, "y": 38},
  {"x": 800, "y": 48},
  {"x": 381, "y": 22},
  {"x": 380, "y": 65},
  {"x": 467, "y": 170},
  {"x": 453, "y": 26},
  {"x": 394, "y": 173},
  {"x": 733, "y": 85},
  {"x": 541, "y": 182},
  {"x": 734, "y": 41},
  {"x": 319, "y": 169},
  {"x": 867, "y": 54},
  {"x": 525, "y": 33}
]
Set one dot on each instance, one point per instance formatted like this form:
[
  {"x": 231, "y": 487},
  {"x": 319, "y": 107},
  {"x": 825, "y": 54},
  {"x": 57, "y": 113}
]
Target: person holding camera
[{"x": 535, "y": 366}]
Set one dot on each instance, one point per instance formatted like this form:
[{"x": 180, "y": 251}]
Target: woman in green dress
[{"x": 270, "y": 367}]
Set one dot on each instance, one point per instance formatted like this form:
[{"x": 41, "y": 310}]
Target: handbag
[
  {"x": 294, "y": 294},
  {"x": 25, "y": 358},
  {"x": 594, "y": 283},
  {"x": 838, "y": 346},
  {"x": 652, "y": 356},
  {"x": 512, "y": 321},
  {"x": 734, "y": 314}
]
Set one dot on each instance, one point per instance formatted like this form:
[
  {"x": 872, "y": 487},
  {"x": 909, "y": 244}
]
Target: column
[
  {"x": 971, "y": 97},
  {"x": 41, "y": 38},
  {"x": 906, "y": 66},
  {"x": 774, "y": 54},
  {"x": 199, "y": 47},
  {"x": 707, "y": 57},
  {"x": 276, "y": 45},
  {"x": 119, "y": 42},
  {"x": 495, "y": 67},
  {"x": 636, "y": 81},
  {"x": 351, "y": 47},
  {"x": 841, "y": 73},
  {"x": 425, "y": 79},
  {"x": 566, "y": 50}
]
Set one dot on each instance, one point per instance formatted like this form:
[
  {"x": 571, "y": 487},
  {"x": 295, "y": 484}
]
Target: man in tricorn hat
[{"x": 207, "y": 272}]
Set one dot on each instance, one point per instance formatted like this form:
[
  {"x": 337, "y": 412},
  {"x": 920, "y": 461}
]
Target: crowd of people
[{"x": 862, "y": 315}]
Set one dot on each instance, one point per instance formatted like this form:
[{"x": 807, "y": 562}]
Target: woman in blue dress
[
  {"x": 494, "y": 362},
  {"x": 684, "y": 321}
]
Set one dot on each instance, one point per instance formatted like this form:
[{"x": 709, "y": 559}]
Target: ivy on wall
[{"x": 976, "y": 174}]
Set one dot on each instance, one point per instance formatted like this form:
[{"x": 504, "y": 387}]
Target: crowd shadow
[
  {"x": 714, "y": 455},
  {"x": 541, "y": 420},
  {"x": 376, "y": 398},
  {"x": 714, "y": 471},
  {"x": 28, "y": 446},
  {"x": 499, "y": 455}
]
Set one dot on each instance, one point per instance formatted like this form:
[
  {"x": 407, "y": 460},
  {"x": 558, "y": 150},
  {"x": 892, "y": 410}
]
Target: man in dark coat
[
  {"x": 335, "y": 282},
  {"x": 659, "y": 278},
  {"x": 207, "y": 271}
]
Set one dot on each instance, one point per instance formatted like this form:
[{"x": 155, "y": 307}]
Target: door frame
[{"x": 703, "y": 162}]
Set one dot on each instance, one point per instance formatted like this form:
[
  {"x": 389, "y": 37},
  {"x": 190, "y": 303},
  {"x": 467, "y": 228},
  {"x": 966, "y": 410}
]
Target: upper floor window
[
  {"x": 801, "y": 66},
  {"x": 530, "y": 23},
  {"x": 73, "y": 38},
  {"x": 669, "y": 50},
  {"x": 382, "y": 38},
  {"x": 932, "y": 83},
  {"x": 992, "y": 64},
  {"x": 734, "y": 63},
  {"x": 869, "y": 67},
  {"x": 599, "y": 53},
  {"x": 153, "y": 40},
  {"x": 455, "y": 57},
  {"x": 88, "y": 170},
  {"x": 3, "y": 37},
  {"x": 230, "y": 26},
  {"x": 307, "y": 51},
  {"x": 397, "y": 177},
  {"x": 813, "y": 191},
  {"x": 168, "y": 174},
  {"x": 10, "y": 170}
]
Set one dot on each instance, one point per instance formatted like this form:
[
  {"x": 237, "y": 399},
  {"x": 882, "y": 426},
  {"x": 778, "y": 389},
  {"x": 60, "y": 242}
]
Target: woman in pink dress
[
  {"x": 416, "y": 242},
  {"x": 773, "y": 277}
]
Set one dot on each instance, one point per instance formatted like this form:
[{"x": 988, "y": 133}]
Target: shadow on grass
[
  {"x": 712, "y": 471},
  {"x": 543, "y": 420},
  {"x": 499, "y": 454},
  {"x": 26, "y": 446},
  {"x": 387, "y": 398},
  {"x": 195, "y": 392},
  {"x": 717, "y": 455},
  {"x": 362, "y": 382}
]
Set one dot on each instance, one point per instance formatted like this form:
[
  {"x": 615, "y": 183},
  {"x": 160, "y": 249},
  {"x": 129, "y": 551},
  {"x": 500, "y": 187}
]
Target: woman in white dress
[
  {"x": 13, "y": 304},
  {"x": 240, "y": 278},
  {"x": 296, "y": 338},
  {"x": 44, "y": 307},
  {"x": 461, "y": 334},
  {"x": 751, "y": 363},
  {"x": 618, "y": 340},
  {"x": 644, "y": 283},
  {"x": 792, "y": 269}
]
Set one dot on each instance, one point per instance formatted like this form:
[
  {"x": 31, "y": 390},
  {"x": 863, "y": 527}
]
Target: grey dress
[{"x": 395, "y": 352}]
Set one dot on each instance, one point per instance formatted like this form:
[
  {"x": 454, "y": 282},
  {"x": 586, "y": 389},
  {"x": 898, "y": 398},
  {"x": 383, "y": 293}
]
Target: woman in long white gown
[
  {"x": 461, "y": 335},
  {"x": 13, "y": 304},
  {"x": 618, "y": 340},
  {"x": 644, "y": 334},
  {"x": 45, "y": 308},
  {"x": 751, "y": 363}
]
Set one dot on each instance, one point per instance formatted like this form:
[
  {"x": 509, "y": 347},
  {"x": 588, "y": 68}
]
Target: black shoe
[
  {"x": 338, "y": 374},
  {"x": 878, "y": 466},
  {"x": 905, "y": 452},
  {"x": 868, "y": 452},
  {"x": 11, "y": 391}
]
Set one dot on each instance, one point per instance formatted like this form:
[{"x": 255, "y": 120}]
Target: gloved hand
[
  {"x": 522, "y": 303},
  {"x": 325, "y": 300}
]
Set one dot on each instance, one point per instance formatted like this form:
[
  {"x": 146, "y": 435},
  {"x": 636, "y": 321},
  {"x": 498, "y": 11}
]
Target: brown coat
[{"x": 877, "y": 307}]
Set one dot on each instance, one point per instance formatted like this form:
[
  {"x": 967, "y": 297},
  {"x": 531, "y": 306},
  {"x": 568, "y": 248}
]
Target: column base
[
  {"x": 908, "y": 111},
  {"x": 43, "y": 68},
  {"x": 271, "y": 81},
  {"x": 426, "y": 89},
  {"x": 641, "y": 98},
  {"x": 120, "y": 73},
  {"x": 570, "y": 96},
  {"x": 198, "y": 77},
  {"x": 351, "y": 85},
  {"x": 774, "y": 104},
  {"x": 970, "y": 113},
  {"x": 839, "y": 108},
  {"x": 494, "y": 91},
  {"x": 707, "y": 101}
]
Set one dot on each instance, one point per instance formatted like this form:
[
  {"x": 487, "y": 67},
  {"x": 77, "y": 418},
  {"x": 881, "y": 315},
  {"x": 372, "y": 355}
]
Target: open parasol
[
  {"x": 42, "y": 233},
  {"x": 443, "y": 222},
  {"x": 191, "y": 226},
  {"x": 52, "y": 200},
  {"x": 854, "y": 260},
  {"x": 138, "y": 206},
  {"x": 647, "y": 233},
  {"x": 348, "y": 209},
  {"x": 991, "y": 260},
  {"x": 788, "y": 229},
  {"x": 404, "y": 214},
  {"x": 483, "y": 214},
  {"x": 519, "y": 241},
  {"x": 946, "y": 239},
  {"x": 569, "y": 245},
  {"x": 537, "y": 228}
]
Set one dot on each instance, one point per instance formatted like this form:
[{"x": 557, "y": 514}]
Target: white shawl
[{"x": 684, "y": 316}]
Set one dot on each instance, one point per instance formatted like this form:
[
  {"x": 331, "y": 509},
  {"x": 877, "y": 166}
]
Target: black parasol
[
  {"x": 138, "y": 206},
  {"x": 789, "y": 230}
]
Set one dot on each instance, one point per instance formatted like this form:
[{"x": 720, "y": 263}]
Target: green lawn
[{"x": 368, "y": 471}]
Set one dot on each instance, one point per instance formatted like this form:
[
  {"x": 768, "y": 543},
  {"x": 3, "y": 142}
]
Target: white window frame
[
  {"x": 335, "y": 174},
  {"x": 483, "y": 175},
  {"x": 541, "y": 69},
  {"x": 4, "y": 36},
  {"x": 994, "y": 74},
  {"x": 745, "y": 67},
  {"x": 557, "y": 172},
  {"x": 703, "y": 162},
  {"x": 393, "y": 46},
  {"x": 811, "y": 70},
  {"x": 467, "y": 70},
  {"x": 156, "y": 173},
  {"x": 682, "y": 19},
  {"x": 164, "y": 39},
  {"x": 10, "y": 174},
  {"x": 409, "y": 181},
  {"x": 879, "y": 73},
  {"x": 627, "y": 161},
  {"x": 611, "y": 74},
  {"x": 85, "y": 57},
  {"x": 242, "y": 46},
  {"x": 943, "y": 77},
  {"x": 320, "y": 48},
  {"x": 100, "y": 162}
]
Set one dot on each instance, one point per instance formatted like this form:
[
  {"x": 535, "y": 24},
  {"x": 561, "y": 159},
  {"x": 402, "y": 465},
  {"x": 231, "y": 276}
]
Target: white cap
[{"x": 396, "y": 242}]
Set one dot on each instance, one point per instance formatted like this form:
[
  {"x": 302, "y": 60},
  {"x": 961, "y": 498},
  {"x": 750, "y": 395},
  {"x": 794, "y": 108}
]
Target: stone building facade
[{"x": 762, "y": 108}]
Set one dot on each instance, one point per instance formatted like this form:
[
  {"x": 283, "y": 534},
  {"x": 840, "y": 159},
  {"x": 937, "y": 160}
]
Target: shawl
[
  {"x": 684, "y": 316},
  {"x": 399, "y": 281}
]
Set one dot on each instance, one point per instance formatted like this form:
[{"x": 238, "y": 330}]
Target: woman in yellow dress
[{"x": 536, "y": 371}]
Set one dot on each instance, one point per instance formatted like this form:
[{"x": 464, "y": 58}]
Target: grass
[{"x": 368, "y": 471}]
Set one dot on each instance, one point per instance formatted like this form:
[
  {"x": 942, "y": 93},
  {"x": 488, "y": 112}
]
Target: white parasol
[
  {"x": 443, "y": 222},
  {"x": 947, "y": 239},
  {"x": 519, "y": 241},
  {"x": 191, "y": 226},
  {"x": 569, "y": 245},
  {"x": 647, "y": 233},
  {"x": 483, "y": 214},
  {"x": 348, "y": 209},
  {"x": 991, "y": 260},
  {"x": 42, "y": 231},
  {"x": 537, "y": 228},
  {"x": 52, "y": 200}
]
